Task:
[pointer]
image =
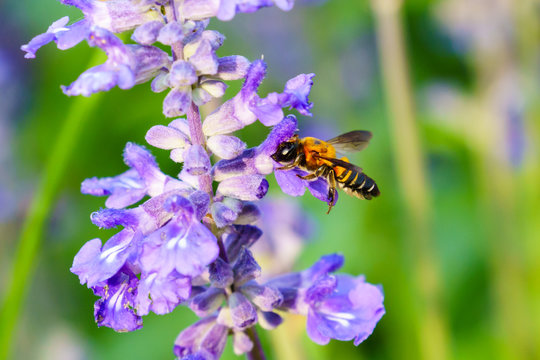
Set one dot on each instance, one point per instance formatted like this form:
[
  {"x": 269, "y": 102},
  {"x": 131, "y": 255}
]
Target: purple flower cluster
[{"x": 181, "y": 241}]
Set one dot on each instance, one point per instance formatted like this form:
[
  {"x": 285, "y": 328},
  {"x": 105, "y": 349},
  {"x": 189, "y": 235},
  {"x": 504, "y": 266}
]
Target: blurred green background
[{"x": 449, "y": 89}]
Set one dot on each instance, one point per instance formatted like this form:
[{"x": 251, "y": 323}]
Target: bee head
[{"x": 286, "y": 152}]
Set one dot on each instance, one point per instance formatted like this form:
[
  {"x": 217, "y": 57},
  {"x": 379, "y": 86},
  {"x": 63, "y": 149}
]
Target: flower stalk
[
  {"x": 257, "y": 353},
  {"x": 197, "y": 138}
]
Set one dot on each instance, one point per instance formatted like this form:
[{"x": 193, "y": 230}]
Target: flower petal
[
  {"x": 115, "y": 308},
  {"x": 249, "y": 187},
  {"x": 166, "y": 137},
  {"x": 226, "y": 146},
  {"x": 205, "y": 336},
  {"x": 161, "y": 295},
  {"x": 93, "y": 264},
  {"x": 177, "y": 102},
  {"x": 147, "y": 33}
]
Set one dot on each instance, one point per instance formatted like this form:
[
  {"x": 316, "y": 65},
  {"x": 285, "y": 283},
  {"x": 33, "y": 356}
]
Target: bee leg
[
  {"x": 286, "y": 167},
  {"x": 331, "y": 190},
  {"x": 317, "y": 174},
  {"x": 308, "y": 176},
  {"x": 291, "y": 166}
]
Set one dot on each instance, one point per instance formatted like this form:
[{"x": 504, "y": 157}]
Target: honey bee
[{"x": 318, "y": 158}]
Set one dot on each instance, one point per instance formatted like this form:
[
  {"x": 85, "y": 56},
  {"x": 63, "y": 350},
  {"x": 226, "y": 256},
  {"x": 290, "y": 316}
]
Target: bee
[{"x": 319, "y": 159}]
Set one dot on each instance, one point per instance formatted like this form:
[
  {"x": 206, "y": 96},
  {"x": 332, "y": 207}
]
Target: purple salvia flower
[
  {"x": 248, "y": 187},
  {"x": 226, "y": 146},
  {"x": 122, "y": 190},
  {"x": 161, "y": 294},
  {"x": 147, "y": 33},
  {"x": 349, "y": 309},
  {"x": 221, "y": 274},
  {"x": 144, "y": 178},
  {"x": 208, "y": 301},
  {"x": 246, "y": 107},
  {"x": 257, "y": 160},
  {"x": 196, "y": 160},
  {"x": 295, "y": 96},
  {"x": 225, "y": 10},
  {"x": 205, "y": 339},
  {"x": 240, "y": 236},
  {"x": 126, "y": 65},
  {"x": 222, "y": 214},
  {"x": 241, "y": 343},
  {"x": 65, "y": 36},
  {"x": 181, "y": 241},
  {"x": 339, "y": 307},
  {"x": 115, "y": 308},
  {"x": 119, "y": 15},
  {"x": 198, "y": 75},
  {"x": 94, "y": 264},
  {"x": 291, "y": 184},
  {"x": 174, "y": 137},
  {"x": 184, "y": 244},
  {"x": 234, "y": 114},
  {"x": 239, "y": 314}
]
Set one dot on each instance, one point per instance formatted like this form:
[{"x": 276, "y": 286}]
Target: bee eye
[{"x": 285, "y": 151}]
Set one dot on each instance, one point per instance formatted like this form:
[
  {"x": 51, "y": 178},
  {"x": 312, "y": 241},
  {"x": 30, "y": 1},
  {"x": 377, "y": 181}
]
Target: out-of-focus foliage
[{"x": 473, "y": 67}]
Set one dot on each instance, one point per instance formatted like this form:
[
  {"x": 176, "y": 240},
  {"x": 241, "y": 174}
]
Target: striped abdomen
[{"x": 358, "y": 184}]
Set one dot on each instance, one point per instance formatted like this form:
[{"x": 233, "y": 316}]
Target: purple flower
[
  {"x": 257, "y": 160},
  {"x": 343, "y": 308},
  {"x": 234, "y": 114},
  {"x": 205, "y": 339},
  {"x": 291, "y": 184},
  {"x": 184, "y": 244},
  {"x": 94, "y": 264},
  {"x": 248, "y": 187},
  {"x": 185, "y": 240},
  {"x": 144, "y": 178},
  {"x": 115, "y": 308},
  {"x": 286, "y": 228},
  {"x": 163, "y": 239},
  {"x": 119, "y": 15},
  {"x": 225, "y": 10},
  {"x": 199, "y": 75},
  {"x": 161, "y": 294},
  {"x": 295, "y": 96},
  {"x": 64, "y": 36},
  {"x": 126, "y": 65},
  {"x": 147, "y": 33},
  {"x": 340, "y": 307}
]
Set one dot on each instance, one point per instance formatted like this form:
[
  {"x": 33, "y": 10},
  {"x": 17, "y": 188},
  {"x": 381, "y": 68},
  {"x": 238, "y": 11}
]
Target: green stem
[
  {"x": 39, "y": 212},
  {"x": 432, "y": 333},
  {"x": 513, "y": 328}
]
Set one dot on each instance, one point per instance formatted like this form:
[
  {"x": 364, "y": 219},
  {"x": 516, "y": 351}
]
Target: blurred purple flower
[
  {"x": 286, "y": 228},
  {"x": 484, "y": 24}
]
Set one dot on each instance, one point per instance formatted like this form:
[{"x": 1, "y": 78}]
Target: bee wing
[
  {"x": 344, "y": 164},
  {"x": 352, "y": 141}
]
